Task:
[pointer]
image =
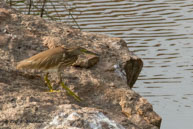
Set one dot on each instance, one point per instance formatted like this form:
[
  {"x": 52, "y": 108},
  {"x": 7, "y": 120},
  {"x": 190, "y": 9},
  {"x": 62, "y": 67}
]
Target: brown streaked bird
[{"x": 56, "y": 59}]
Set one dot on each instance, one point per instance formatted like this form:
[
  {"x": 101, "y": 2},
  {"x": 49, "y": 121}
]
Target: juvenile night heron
[{"x": 56, "y": 59}]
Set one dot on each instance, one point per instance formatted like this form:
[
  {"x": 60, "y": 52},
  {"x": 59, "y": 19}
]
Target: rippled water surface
[{"x": 158, "y": 31}]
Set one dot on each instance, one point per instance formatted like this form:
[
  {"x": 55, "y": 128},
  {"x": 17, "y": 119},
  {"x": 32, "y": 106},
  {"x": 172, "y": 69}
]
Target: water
[{"x": 158, "y": 31}]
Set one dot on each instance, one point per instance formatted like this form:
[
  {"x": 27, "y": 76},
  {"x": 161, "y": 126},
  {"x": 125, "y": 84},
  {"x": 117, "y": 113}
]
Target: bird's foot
[
  {"x": 47, "y": 81},
  {"x": 70, "y": 92},
  {"x": 51, "y": 90}
]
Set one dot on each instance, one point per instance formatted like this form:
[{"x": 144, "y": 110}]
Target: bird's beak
[{"x": 92, "y": 53}]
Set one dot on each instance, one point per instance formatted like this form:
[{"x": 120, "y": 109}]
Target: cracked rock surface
[{"x": 104, "y": 83}]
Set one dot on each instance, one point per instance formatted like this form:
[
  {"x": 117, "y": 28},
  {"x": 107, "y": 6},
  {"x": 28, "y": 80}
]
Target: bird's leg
[
  {"x": 47, "y": 81},
  {"x": 70, "y": 92},
  {"x": 67, "y": 89}
]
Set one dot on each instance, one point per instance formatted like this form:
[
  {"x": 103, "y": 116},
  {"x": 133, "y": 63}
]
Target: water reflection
[{"x": 160, "y": 32}]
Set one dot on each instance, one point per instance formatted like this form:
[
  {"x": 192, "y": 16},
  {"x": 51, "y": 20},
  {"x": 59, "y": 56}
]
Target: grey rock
[{"x": 104, "y": 82}]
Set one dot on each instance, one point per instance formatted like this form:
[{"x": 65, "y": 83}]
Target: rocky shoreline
[{"x": 106, "y": 88}]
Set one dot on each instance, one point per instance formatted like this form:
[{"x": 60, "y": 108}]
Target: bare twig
[
  {"x": 29, "y": 9},
  {"x": 55, "y": 9},
  {"x": 42, "y": 9},
  {"x": 72, "y": 17}
]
